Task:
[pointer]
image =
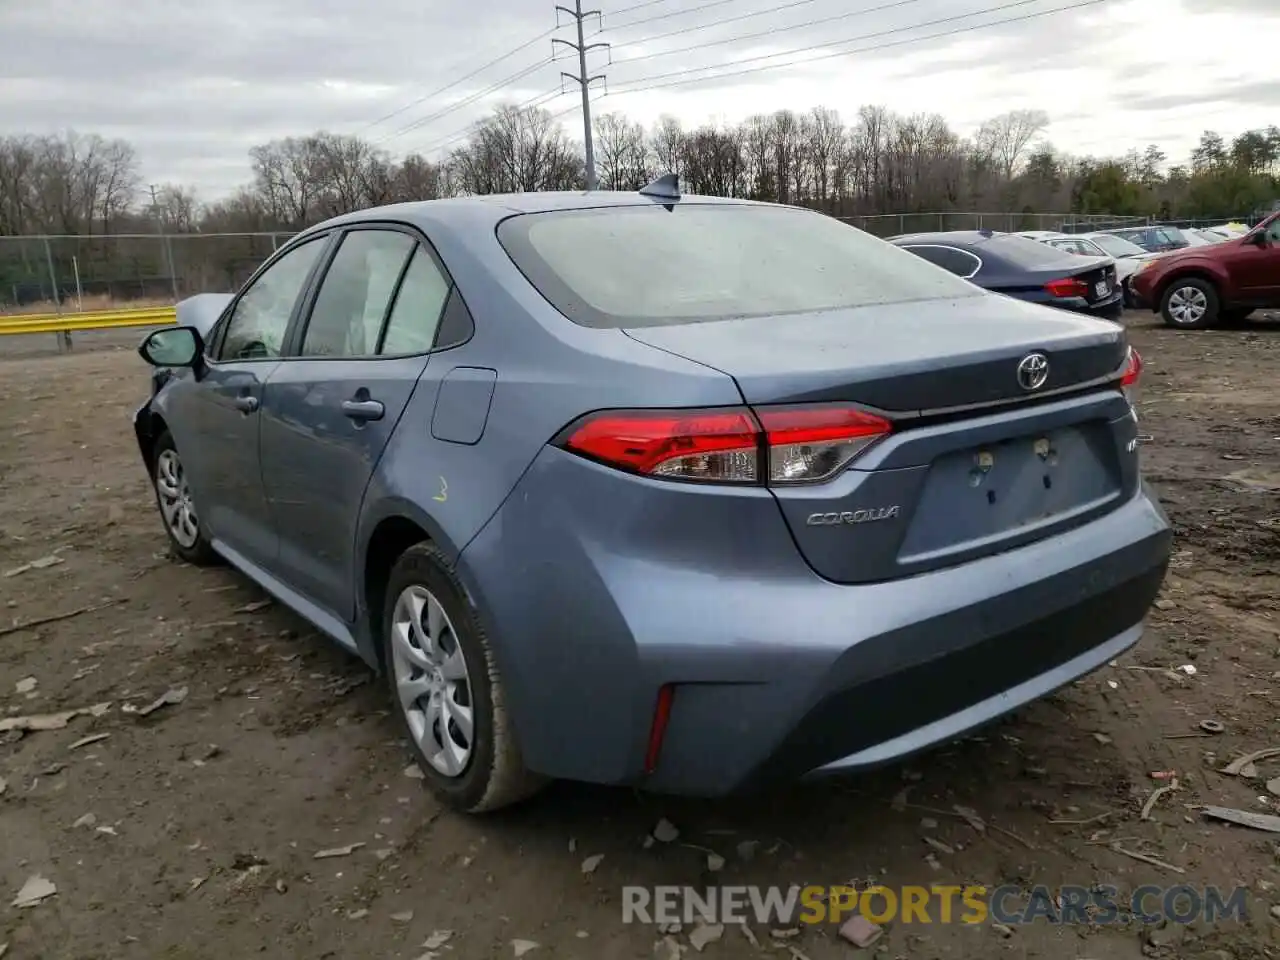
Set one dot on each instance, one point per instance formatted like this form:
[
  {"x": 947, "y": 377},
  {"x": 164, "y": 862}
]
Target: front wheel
[
  {"x": 177, "y": 510},
  {"x": 1190, "y": 304},
  {"x": 447, "y": 689}
]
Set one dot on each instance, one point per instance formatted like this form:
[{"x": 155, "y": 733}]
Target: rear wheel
[
  {"x": 1190, "y": 304},
  {"x": 447, "y": 689},
  {"x": 177, "y": 509}
]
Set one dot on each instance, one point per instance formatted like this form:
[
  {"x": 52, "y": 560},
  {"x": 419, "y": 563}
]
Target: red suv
[{"x": 1201, "y": 286}]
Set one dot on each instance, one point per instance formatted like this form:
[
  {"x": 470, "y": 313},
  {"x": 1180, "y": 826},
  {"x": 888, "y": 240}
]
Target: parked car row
[{"x": 1193, "y": 278}]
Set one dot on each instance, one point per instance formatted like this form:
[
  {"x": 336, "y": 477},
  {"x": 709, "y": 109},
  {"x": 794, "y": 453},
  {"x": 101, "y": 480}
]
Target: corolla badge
[{"x": 852, "y": 516}]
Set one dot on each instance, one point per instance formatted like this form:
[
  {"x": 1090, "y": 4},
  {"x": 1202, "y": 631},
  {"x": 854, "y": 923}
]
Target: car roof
[
  {"x": 955, "y": 238},
  {"x": 490, "y": 209}
]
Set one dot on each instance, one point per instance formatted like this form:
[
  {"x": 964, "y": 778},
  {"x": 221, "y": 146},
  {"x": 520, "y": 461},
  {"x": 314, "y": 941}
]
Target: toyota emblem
[{"x": 1033, "y": 371}]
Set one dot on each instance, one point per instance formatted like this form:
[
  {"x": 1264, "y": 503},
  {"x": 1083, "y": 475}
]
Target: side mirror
[
  {"x": 172, "y": 347},
  {"x": 1259, "y": 238}
]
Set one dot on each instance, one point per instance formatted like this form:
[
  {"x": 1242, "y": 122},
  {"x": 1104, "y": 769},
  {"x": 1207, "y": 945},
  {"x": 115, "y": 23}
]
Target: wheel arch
[
  {"x": 1195, "y": 272},
  {"x": 396, "y": 526}
]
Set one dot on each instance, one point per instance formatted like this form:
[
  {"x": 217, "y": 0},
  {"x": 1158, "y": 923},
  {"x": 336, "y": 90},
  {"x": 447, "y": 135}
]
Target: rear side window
[
  {"x": 959, "y": 262},
  {"x": 1021, "y": 252},
  {"x": 648, "y": 265}
]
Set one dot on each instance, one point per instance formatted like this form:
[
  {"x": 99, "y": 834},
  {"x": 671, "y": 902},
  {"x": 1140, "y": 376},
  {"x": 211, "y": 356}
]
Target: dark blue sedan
[{"x": 1022, "y": 268}]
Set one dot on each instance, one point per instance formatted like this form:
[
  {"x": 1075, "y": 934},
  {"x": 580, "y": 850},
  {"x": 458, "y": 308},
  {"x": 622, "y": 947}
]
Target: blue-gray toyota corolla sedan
[{"x": 676, "y": 492}]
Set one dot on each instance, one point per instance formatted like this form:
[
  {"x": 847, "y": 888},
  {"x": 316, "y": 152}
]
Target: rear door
[{"x": 329, "y": 409}]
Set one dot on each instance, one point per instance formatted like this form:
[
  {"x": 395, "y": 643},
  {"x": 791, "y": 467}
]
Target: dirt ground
[{"x": 191, "y": 831}]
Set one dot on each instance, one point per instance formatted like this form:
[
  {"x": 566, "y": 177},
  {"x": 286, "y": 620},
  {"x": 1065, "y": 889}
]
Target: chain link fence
[
  {"x": 100, "y": 272},
  {"x": 96, "y": 272}
]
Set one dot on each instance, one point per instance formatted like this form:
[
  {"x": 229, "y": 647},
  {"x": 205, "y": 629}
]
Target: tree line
[{"x": 875, "y": 162}]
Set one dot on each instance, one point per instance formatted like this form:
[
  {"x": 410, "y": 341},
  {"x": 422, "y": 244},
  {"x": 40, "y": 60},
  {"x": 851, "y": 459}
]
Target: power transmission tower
[
  {"x": 582, "y": 79},
  {"x": 165, "y": 242}
]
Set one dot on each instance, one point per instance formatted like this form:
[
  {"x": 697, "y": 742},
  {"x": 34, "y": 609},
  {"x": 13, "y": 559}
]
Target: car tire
[
  {"x": 441, "y": 683},
  {"x": 186, "y": 535},
  {"x": 1190, "y": 303}
]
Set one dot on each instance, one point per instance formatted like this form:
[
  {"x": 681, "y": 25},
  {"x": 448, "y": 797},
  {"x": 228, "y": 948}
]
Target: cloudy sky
[{"x": 194, "y": 85}]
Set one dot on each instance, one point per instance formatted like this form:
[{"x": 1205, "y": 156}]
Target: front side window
[
  {"x": 355, "y": 293},
  {"x": 647, "y": 265},
  {"x": 257, "y": 324}
]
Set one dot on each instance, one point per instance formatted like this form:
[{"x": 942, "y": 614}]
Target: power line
[
  {"x": 763, "y": 33},
  {"x": 466, "y": 101},
  {"x": 639, "y": 6},
  {"x": 648, "y": 85},
  {"x": 449, "y": 86},
  {"x": 668, "y": 16},
  {"x": 717, "y": 23},
  {"x": 547, "y": 96}
]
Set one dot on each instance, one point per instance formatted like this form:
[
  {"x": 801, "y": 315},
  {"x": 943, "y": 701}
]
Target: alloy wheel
[
  {"x": 175, "y": 500},
  {"x": 1187, "y": 305},
  {"x": 432, "y": 681}
]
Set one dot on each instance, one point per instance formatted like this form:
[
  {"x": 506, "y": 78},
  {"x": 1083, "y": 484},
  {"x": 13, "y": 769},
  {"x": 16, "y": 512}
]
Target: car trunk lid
[{"x": 976, "y": 462}]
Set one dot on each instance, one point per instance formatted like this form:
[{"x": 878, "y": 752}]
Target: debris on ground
[
  {"x": 437, "y": 939},
  {"x": 1212, "y": 726},
  {"x": 85, "y": 741},
  {"x": 1156, "y": 794},
  {"x": 254, "y": 607},
  {"x": 589, "y": 865},
  {"x": 971, "y": 817},
  {"x": 668, "y": 948},
  {"x": 25, "y": 686},
  {"x": 1244, "y": 818},
  {"x": 54, "y": 618},
  {"x": 1145, "y": 858},
  {"x": 405, "y": 916},
  {"x": 51, "y": 721},
  {"x": 35, "y": 891},
  {"x": 860, "y": 931},
  {"x": 521, "y": 947},
  {"x": 346, "y": 851},
  {"x": 357, "y": 914},
  {"x": 704, "y": 934},
  {"x": 665, "y": 831},
  {"x": 170, "y": 698},
  {"x": 414, "y": 772},
  {"x": 715, "y": 862},
  {"x": 88, "y": 820},
  {"x": 747, "y": 932},
  {"x": 747, "y": 849},
  {"x": 42, "y": 563},
  {"x": 1245, "y": 766},
  {"x": 4, "y": 785}
]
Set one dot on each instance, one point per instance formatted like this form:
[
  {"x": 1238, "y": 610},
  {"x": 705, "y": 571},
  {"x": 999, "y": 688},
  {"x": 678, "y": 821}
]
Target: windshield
[
  {"x": 1117, "y": 246},
  {"x": 648, "y": 265}
]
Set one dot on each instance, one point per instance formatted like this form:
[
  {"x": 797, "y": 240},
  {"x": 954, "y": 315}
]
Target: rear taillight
[
  {"x": 775, "y": 445},
  {"x": 1132, "y": 369},
  {"x": 1067, "y": 287}
]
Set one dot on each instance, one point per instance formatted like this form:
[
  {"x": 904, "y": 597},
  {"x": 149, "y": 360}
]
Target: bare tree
[{"x": 1005, "y": 139}]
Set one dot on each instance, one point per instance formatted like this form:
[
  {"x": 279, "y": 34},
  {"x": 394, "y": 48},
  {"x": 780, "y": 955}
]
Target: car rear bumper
[{"x": 776, "y": 672}]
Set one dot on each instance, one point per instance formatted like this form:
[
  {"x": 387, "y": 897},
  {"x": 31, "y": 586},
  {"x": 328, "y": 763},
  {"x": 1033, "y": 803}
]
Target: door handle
[
  {"x": 246, "y": 404},
  {"x": 363, "y": 409}
]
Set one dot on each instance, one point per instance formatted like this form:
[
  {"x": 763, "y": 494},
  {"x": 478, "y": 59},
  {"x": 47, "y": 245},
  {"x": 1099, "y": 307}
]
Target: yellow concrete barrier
[{"x": 89, "y": 320}]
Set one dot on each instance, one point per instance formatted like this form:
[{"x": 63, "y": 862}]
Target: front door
[
  {"x": 1255, "y": 266},
  {"x": 329, "y": 410},
  {"x": 218, "y": 416}
]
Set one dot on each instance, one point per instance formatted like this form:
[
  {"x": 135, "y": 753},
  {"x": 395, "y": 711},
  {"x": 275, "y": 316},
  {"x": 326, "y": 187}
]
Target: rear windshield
[
  {"x": 649, "y": 266},
  {"x": 1117, "y": 246},
  {"x": 1021, "y": 252}
]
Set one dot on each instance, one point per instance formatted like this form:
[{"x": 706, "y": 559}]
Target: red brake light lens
[
  {"x": 786, "y": 445},
  {"x": 1132, "y": 369},
  {"x": 1067, "y": 287},
  {"x": 720, "y": 446}
]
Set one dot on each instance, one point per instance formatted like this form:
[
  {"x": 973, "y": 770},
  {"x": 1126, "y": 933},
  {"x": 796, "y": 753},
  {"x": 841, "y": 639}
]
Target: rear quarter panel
[{"x": 549, "y": 372}]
